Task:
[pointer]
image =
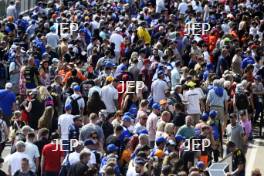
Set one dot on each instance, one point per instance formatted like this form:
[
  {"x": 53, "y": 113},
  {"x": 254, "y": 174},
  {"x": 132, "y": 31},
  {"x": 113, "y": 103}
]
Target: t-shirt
[
  {"x": 193, "y": 97},
  {"x": 234, "y": 134},
  {"x": 117, "y": 39},
  {"x": 109, "y": 94},
  {"x": 186, "y": 131},
  {"x": 64, "y": 121},
  {"x": 158, "y": 89},
  {"x": 52, "y": 39},
  {"x": 32, "y": 151},
  {"x": 7, "y": 98},
  {"x": 52, "y": 154},
  {"x": 14, "y": 161}
]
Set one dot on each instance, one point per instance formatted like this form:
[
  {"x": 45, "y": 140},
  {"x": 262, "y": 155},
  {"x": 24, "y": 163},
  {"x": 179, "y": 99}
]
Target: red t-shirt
[{"x": 52, "y": 154}]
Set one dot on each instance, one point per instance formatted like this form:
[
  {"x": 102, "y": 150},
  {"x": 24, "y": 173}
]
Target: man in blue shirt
[{"x": 7, "y": 102}]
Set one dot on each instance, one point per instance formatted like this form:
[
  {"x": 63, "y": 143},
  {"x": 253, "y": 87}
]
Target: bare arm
[{"x": 42, "y": 164}]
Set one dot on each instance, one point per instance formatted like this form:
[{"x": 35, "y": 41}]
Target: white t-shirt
[
  {"x": 193, "y": 98},
  {"x": 108, "y": 95},
  {"x": 14, "y": 161},
  {"x": 52, "y": 39},
  {"x": 74, "y": 157},
  {"x": 158, "y": 88},
  {"x": 117, "y": 39},
  {"x": 32, "y": 151},
  {"x": 64, "y": 121},
  {"x": 183, "y": 7}
]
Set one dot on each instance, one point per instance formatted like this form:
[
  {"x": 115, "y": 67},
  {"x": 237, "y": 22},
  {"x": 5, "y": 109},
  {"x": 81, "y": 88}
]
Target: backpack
[
  {"x": 241, "y": 101},
  {"x": 75, "y": 106}
]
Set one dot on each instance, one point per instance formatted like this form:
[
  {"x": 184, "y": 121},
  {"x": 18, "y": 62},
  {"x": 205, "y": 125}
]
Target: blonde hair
[
  {"x": 43, "y": 93},
  {"x": 169, "y": 128},
  {"x": 161, "y": 126}
]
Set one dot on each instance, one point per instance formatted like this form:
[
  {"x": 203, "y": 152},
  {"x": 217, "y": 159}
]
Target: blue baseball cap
[
  {"x": 200, "y": 165},
  {"x": 126, "y": 118},
  {"x": 212, "y": 113},
  {"x": 111, "y": 148},
  {"x": 204, "y": 116},
  {"x": 179, "y": 138},
  {"x": 133, "y": 111},
  {"x": 128, "y": 114},
  {"x": 160, "y": 140},
  {"x": 160, "y": 73},
  {"x": 68, "y": 107},
  {"x": 52, "y": 28},
  {"x": 109, "y": 64},
  {"x": 76, "y": 88},
  {"x": 156, "y": 106}
]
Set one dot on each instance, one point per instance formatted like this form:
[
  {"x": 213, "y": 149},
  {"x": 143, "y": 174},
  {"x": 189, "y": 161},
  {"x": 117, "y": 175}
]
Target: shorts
[{"x": 220, "y": 113}]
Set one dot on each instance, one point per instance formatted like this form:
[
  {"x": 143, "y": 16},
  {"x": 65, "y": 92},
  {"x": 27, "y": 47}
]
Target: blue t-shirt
[{"x": 7, "y": 98}]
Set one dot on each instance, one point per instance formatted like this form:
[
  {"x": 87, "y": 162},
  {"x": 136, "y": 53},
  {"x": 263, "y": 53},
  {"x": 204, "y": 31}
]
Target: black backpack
[
  {"x": 242, "y": 101},
  {"x": 75, "y": 106}
]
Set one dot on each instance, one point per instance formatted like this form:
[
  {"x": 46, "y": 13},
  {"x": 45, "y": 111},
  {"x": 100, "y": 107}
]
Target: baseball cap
[
  {"x": 139, "y": 160},
  {"x": 76, "y": 88},
  {"x": 126, "y": 118},
  {"x": 204, "y": 116},
  {"x": 55, "y": 60},
  {"x": 212, "y": 114},
  {"x": 109, "y": 64},
  {"x": 200, "y": 165},
  {"x": 171, "y": 142},
  {"x": 179, "y": 138},
  {"x": 160, "y": 140},
  {"x": 111, "y": 148},
  {"x": 143, "y": 131},
  {"x": 160, "y": 73},
  {"x": 68, "y": 107},
  {"x": 156, "y": 106}
]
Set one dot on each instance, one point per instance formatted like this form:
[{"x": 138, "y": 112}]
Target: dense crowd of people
[{"x": 130, "y": 87}]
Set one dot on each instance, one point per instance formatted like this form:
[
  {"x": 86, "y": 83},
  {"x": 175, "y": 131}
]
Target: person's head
[
  {"x": 43, "y": 133},
  {"x": 243, "y": 115},
  {"x": 31, "y": 61},
  {"x": 143, "y": 117},
  {"x": 160, "y": 142},
  {"x": 103, "y": 115},
  {"x": 156, "y": 108},
  {"x": 78, "y": 146},
  {"x": 95, "y": 96},
  {"x": 143, "y": 105},
  {"x": 77, "y": 120},
  {"x": 54, "y": 137},
  {"x": 166, "y": 116},
  {"x": 31, "y": 136},
  {"x": 93, "y": 118},
  {"x": 188, "y": 120},
  {"x": 111, "y": 148},
  {"x": 169, "y": 129},
  {"x": 233, "y": 119},
  {"x": 85, "y": 156},
  {"x": 231, "y": 146},
  {"x": 20, "y": 146},
  {"x": 26, "y": 129},
  {"x": 68, "y": 108},
  {"x": 118, "y": 130},
  {"x": 118, "y": 115},
  {"x": 143, "y": 139},
  {"x": 24, "y": 165},
  {"x": 139, "y": 165},
  {"x": 126, "y": 121},
  {"x": 77, "y": 88}
]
